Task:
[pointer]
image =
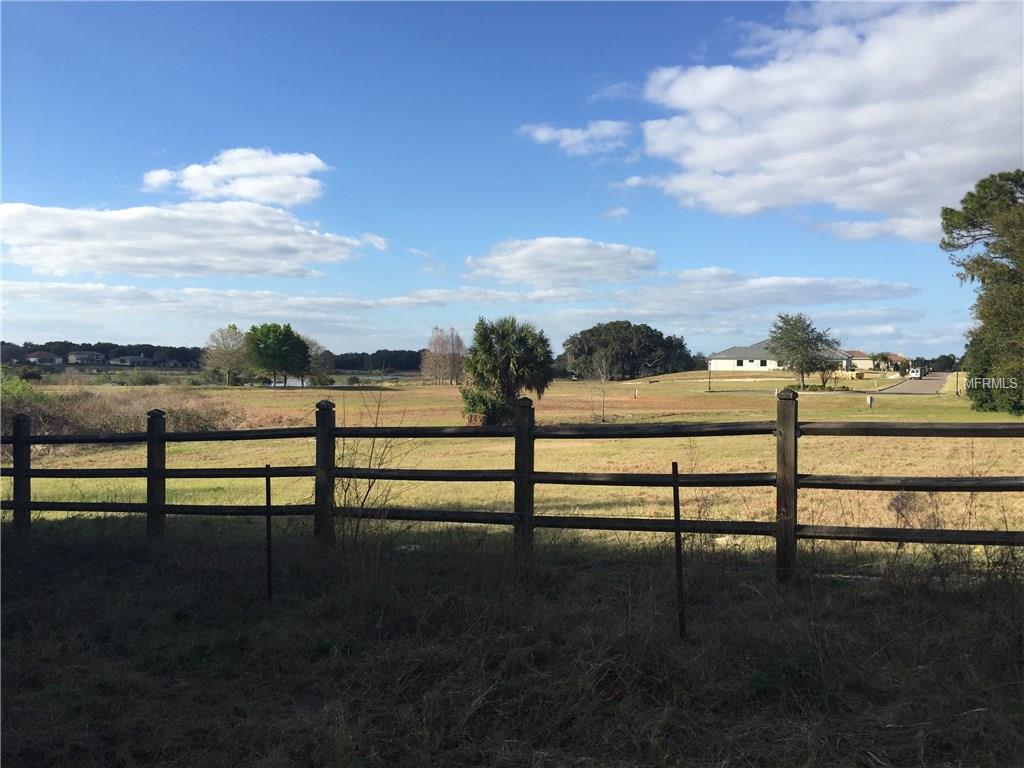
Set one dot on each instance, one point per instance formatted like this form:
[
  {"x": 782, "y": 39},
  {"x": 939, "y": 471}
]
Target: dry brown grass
[
  {"x": 679, "y": 397},
  {"x": 430, "y": 645},
  {"x": 427, "y": 647}
]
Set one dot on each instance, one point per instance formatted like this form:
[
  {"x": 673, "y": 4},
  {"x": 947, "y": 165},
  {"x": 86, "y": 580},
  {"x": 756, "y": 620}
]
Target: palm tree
[{"x": 506, "y": 357}]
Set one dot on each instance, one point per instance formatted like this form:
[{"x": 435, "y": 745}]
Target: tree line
[
  {"x": 382, "y": 359},
  {"x": 158, "y": 353},
  {"x": 270, "y": 351}
]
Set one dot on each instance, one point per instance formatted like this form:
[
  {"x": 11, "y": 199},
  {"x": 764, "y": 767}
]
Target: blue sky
[{"x": 368, "y": 171}]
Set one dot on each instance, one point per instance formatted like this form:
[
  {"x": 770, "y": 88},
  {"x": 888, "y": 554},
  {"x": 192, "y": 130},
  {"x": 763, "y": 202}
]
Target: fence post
[
  {"x": 156, "y": 479},
  {"x": 22, "y": 491},
  {"x": 523, "y": 508},
  {"x": 785, "y": 485},
  {"x": 323, "y": 519}
]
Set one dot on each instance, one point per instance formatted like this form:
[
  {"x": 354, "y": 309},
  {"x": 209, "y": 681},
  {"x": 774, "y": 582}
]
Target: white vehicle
[{"x": 916, "y": 373}]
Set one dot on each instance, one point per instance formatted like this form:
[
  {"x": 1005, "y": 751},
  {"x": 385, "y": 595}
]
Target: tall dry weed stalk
[
  {"x": 704, "y": 500},
  {"x": 368, "y": 498}
]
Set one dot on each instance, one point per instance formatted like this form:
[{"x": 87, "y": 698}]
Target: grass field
[
  {"x": 430, "y": 645},
  {"x": 679, "y": 397}
]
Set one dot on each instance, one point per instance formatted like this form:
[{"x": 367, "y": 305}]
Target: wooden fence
[{"x": 786, "y": 479}]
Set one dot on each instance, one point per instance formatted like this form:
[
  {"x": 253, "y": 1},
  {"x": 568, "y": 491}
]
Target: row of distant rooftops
[{"x": 87, "y": 357}]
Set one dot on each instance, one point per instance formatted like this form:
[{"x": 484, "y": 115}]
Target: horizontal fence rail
[
  {"x": 896, "y": 429},
  {"x": 277, "y": 433},
  {"x": 911, "y": 535},
  {"x": 716, "y": 480},
  {"x": 447, "y": 475},
  {"x": 934, "y": 484},
  {"x": 121, "y": 437},
  {"x": 606, "y": 431},
  {"x": 787, "y": 481},
  {"x": 424, "y": 432}
]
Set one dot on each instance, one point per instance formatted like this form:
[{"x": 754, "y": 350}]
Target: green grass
[{"x": 421, "y": 646}]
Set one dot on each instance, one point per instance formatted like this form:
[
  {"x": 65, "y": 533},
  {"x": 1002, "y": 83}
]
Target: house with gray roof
[
  {"x": 85, "y": 357},
  {"x": 756, "y": 357},
  {"x": 42, "y": 357}
]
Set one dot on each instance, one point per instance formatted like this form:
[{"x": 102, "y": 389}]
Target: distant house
[
  {"x": 860, "y": 361},
  {"x": 131, "y": 361},
  {"x": 85, "y": 357},
  {"x": 895, "y": 360},
  {"x": 42, "y": 357},
  {"x": 756, "y": 357}
]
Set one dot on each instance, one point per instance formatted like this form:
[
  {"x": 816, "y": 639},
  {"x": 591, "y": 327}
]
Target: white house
[
  {"x": 756, "y": 357},
  {"x": 131, "y": 361}
]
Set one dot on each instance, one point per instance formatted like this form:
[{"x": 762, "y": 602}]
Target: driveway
[{"x": 929, "y": 385}]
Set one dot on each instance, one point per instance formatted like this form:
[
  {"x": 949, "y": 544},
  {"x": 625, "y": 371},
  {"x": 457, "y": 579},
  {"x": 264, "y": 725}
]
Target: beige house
[{"x": 860, "y": 361}]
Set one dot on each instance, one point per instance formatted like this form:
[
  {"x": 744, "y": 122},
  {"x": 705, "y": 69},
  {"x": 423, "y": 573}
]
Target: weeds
[
  {"x": 373, "y": 453},
  {"x": 81, "y": 411}
]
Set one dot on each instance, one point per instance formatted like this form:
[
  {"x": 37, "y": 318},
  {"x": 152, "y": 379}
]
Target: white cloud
[
  {"x": 910, "y": 228},
  {"x": 563, "y": 261},
  {"x": 890, "y": 111},
  {"x": 158, "y": 179},
  {"x": 615, "y": 91},
  {"x": 251, "y": 305},
  {"x": 179, "y": 300},
  {"x": 598, "y": 137},
  {"x": 712, "y": 290},
  {"x": 468, "y": 294},
  {"x": 196, "y": 238},
  {"x": 375, "y": 241},
  {"x": 723, "y": 303},
  {"x": 171, "y": 315},
  {"x": 428, "y": 264},
  {"x": 616, "y": 214},
  {"x": 35, "y": 309},
  {"x": 258, "y": 175}
]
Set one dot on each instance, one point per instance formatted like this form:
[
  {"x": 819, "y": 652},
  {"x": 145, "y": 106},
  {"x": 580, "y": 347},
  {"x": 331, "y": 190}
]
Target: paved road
[{"x": 929, "y": 385}]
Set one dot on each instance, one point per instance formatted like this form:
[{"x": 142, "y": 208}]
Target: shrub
[
  {"x": 81, "y": 411},
  {"x": 491, "y": 408},
  {"x": 320, "y": 380},
  {"x": 29, "y": 373},
  {"x": 18, "y": 396},
  {"x": 352, "y": 380}
]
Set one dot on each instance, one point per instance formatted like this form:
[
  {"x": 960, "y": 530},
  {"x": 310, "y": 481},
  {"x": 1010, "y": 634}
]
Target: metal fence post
[
  {"x": 323, "y": 519},
  {"x": 270, "y": 544},
  {"x": 523, "y": 507},
  {"x": 785, "y": 484},
  {"x": 156, "y": 479},
  {"x": 22, "y": 490}
]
